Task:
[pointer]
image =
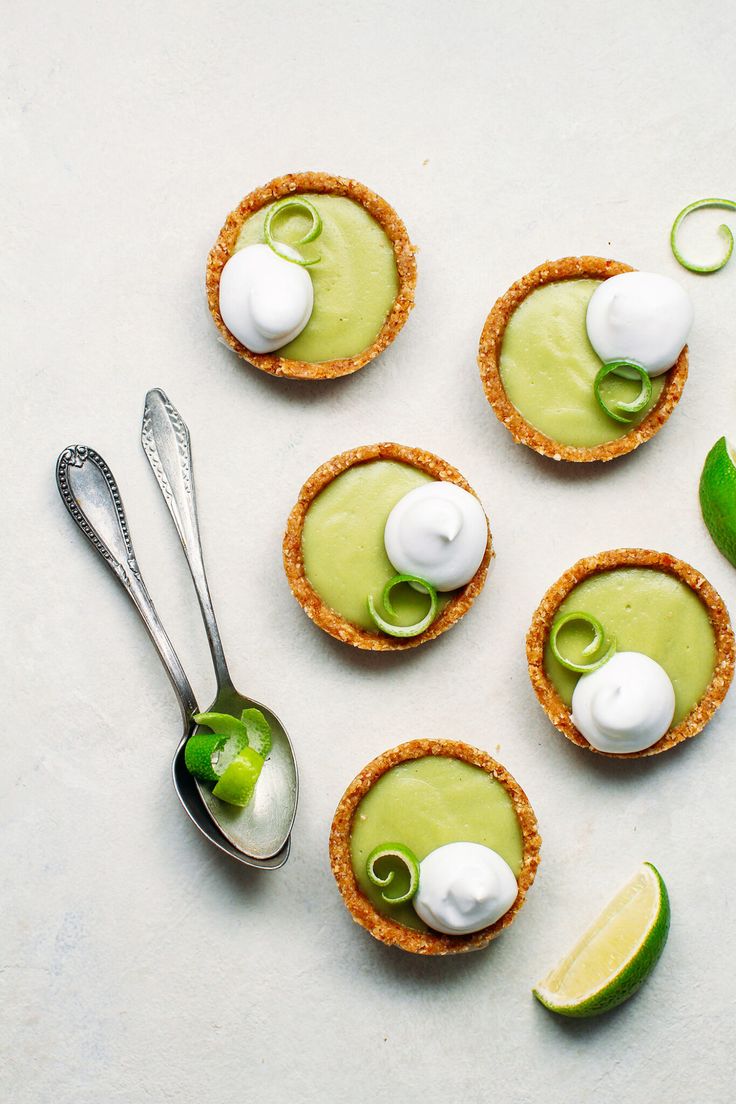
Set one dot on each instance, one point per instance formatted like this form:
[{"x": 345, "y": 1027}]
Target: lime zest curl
[
  {"x": 224, "y": 724},
  {"x": 224, "y": 755},
  {"x": 593, "y": 649},
  {"x": 302, "y": 204},
  {"x": 723, "y": 229},
  {"x": 258, "y": 730},
  {"x": 404, "y": 855},
  {"x": 624, "y": 412},
  {"x": 404, "y": 630}
]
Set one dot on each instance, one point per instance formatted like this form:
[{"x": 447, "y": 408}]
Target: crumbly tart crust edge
[
  {"x": 308, "y": 598},
  {"x": 362, "y": 910},
  {"x": 382, "y": 212},
  {"x": 544, "y": 616},
  {"x": 489, "y": 357}
]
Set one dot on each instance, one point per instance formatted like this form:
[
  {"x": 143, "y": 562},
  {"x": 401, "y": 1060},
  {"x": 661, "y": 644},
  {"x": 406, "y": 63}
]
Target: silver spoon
[
  {"x": 90, "y": 494},
  {"x": 263, "y": 826}
]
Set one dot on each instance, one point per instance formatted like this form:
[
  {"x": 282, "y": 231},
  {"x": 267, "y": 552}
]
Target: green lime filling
[
  {"x": 355, "y": 282},
  {"x": 647, "y": 611},
  {"x": 548, "y": 369},
  {"x": 342, "y": 544},
  {"x": 426, "y": 803}
]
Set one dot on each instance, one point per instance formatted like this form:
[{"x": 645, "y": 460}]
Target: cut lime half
[
  {"x": 617, "y": 952},
  {"x": 718, "y": 497}
]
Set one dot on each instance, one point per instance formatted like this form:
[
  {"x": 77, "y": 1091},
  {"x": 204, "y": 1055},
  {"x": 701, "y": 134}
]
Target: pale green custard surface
[
  {"x": 548, "y": 367},
  {"x": 424, "y": 804},
  {"x": 342, "y": 542},
  {"x": 355, "y": 282},
  {"x": 647, "y": 611}
]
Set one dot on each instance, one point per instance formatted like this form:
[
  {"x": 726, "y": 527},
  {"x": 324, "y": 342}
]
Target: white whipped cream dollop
[
  {"x": 265, "y": 301},
  {"x": 439, "y": 533},
  {"x": 626, "y": 705},
  {"x": 463, "y": 887},
  {"x": 639, "y": 316}
]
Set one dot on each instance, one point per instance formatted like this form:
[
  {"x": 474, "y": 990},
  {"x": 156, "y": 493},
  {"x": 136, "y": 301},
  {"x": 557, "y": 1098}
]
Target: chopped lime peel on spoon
[
  {"x": 231, "y": 755},
  {"x": 616, "y": 954}
]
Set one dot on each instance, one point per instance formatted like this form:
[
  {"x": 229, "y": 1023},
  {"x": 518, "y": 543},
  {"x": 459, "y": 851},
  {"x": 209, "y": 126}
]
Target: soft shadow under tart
[
  {"x": 316, "y": 182},
  {"x": 544, "y": 617},
  {"x": 489, "y": 358},
  {"x": 308, "y": 598},
  {"x": 362, "y": 910}
]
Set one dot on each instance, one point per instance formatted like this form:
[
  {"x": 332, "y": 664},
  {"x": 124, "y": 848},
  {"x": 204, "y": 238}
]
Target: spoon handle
[
  {"x": 90, "y": 494},
  {"x": 166, "y": 443}
]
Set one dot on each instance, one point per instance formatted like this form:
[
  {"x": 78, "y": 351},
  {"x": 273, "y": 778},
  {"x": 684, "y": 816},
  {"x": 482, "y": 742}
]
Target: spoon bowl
[{"x": 260, "y": 826}]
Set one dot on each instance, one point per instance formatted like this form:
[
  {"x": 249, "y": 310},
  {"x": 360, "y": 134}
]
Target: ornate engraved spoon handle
[
  {"x": 165, "y": 440},
  {"x": 90, "y": 494}
]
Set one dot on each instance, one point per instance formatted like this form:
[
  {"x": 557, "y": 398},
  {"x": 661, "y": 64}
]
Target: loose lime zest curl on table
[
  {"x": 231, "y": 755},
  {"x": 404, "y": 630},
  {"x": 623, "y": 411},
  {"x": 597, "y": 645},
  {"x": 723, "y": 204},
  {"x": 314, "y": 231},
  {"x": 402, "y": 854}
]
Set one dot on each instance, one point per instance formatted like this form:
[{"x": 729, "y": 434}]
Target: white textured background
[{"x": 136, "y": 963}]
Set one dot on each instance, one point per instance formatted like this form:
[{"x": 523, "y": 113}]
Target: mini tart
[
  {"x": 489, "y": 357},
  {"x": 385, "y": 216},
  {"x": 544, "y": 617},
  {"x": 363, "y": 912},
  {"x": 308, "y": 598}
]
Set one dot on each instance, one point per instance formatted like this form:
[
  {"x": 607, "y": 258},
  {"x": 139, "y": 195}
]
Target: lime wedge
[
  {"x": 238, "y": 780},
  {"x": 200, "y": 755},
  {"x": 616, "y": 954},
  {"x": 718, "y": 497}
]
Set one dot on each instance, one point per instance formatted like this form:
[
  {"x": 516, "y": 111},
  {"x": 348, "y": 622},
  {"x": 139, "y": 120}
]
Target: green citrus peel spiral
[
  {"x": 232, "y": 755},
  {"x": 315, "y": 229},
  {"x": 600, "y": 649},
  {"x": 221, "y": 723},
  {"x": 238, "y": 781},
  {"x": 393, "y": 854},
  {"x": 199, "y": 755},
  {"x": 258, "y": 731},
  {"x": 404, "y": 630},
  {"x": 723, "y": 229},
  {"x": 623, "y": 411}
]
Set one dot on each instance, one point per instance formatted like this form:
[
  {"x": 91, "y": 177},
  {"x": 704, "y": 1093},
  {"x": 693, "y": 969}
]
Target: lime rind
[
  {"x": 718, "y": 497},
  {"x": 630, "y": 976},
  {"x": 258, "y": 731},
  {"x": 624, "y": 412},
  {"x": 228, "y": 752},
  {"x": 238, "y": 781},
  {"x": 222, "y": 723},
  {"x": 404, "y": 630},
  {"x": 599, "y": 641},
  {"x": 724, "y": 230},
  {"x": 314, "y": 231},
  {"x": 199, "y": 754},
  {"x": 406, "y": 857}
]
